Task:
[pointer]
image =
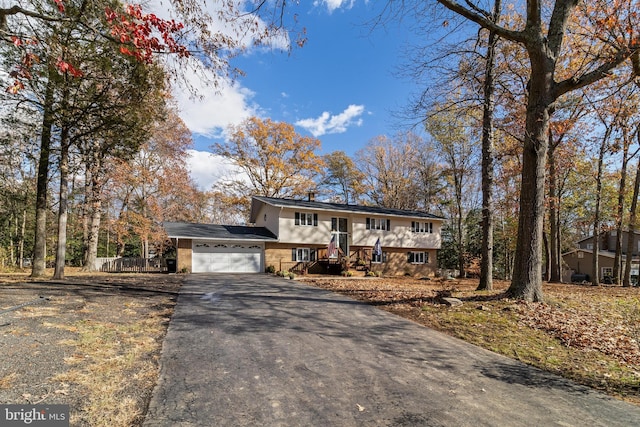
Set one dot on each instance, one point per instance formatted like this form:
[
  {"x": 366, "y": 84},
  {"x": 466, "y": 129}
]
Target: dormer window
[{"x": 307, "y": 219}]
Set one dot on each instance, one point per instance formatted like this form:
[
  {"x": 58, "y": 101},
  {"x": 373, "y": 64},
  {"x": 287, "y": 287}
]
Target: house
[
  {"x": 315, "y": 237},
  {"x": 580, "y": 260},
  {"x": 607, "y": 242}
]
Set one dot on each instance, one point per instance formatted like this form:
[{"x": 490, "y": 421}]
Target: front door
[{"x": 339, "y": 227}]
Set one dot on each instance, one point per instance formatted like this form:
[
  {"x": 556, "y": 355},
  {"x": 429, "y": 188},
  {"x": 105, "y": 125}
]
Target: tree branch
[
  {"x": 599, "y": 73},
  {"x": 483, "y": 21}
]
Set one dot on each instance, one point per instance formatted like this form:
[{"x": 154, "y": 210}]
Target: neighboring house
[
  {"x": 608, "y": 242},
  {"x": 580, "y": 260},
  {"x": 314, "y": 237}
]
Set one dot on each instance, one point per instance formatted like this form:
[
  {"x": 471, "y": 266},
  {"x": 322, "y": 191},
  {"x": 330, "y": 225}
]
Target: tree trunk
[
  {"x": 595, "y": 267},
  {"x": 486, "y": 264},
  {"x": 40, "y": 239},
  {"x": 94, "y": 208},
  {"x": 555, "y": 267},
  {"x": 61, "y": 250},
  {"x": 95, "y": 211},
  {"x": 547, "y": 254},
  {"x": 626, "y": 282},
  {"x": 617, "y": 273},
  {"x": 460, "y": 238},
  {"x": 527, "y": 270}
]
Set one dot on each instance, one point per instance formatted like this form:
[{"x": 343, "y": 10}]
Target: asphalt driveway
[{"x": 259, "y": 350}]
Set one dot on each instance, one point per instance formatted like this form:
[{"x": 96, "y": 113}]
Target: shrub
[
  {"x": 292, "y": 276},
  {"x": 347, "y": 273},
  {"x": 371, "y": 274},
  {"x": 271, "y": 269}
]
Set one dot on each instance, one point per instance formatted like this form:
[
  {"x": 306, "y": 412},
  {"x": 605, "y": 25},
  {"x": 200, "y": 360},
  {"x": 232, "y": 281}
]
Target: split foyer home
[{"x": 314, "y": 237}]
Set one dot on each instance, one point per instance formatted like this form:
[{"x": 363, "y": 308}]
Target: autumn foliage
[{"x": 134, "y": 33}]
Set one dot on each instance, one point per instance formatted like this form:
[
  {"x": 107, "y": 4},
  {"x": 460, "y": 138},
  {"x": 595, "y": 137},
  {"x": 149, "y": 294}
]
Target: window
[
  {"x": 379, "y": 258},
  {"x": 421, "y": 227},
  {"x": 308, "y": 219},
  {"x": 580, "y": 254},
  {"x": 418, "y": 257},
  {"x": 590, "y": 246},
  {"x": 378, "y": 224},
  {"x": 303, "y": 254},
  {"x": 607, "y": 272}
]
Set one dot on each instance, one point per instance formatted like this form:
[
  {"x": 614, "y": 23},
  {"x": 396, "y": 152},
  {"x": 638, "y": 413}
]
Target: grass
[
  {"x": 105, "y": 353},
  {"x": 121, "y": 358}
]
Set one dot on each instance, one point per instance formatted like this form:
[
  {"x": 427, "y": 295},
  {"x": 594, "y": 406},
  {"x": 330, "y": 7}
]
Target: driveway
[{"x": 259, "y": 350}]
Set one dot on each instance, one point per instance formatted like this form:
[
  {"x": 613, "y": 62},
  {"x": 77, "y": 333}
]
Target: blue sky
[{"x": 340, "y": 87}]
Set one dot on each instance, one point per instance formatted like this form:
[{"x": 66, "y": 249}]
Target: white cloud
[
  {"x": 334, "y": 4},
  {"x": 243, "y": 27},
  {"x": 215, "y": 108},
  {"x": 206, "y": 168},
  {"x": 328, "y": 124}
]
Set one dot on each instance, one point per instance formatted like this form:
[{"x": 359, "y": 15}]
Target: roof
[
  {"x": 606, "y": 254},
  {"x": 337, "y": 207},
  {"x": 625, "y": 230},
  {"x": 185, "y": 230}
]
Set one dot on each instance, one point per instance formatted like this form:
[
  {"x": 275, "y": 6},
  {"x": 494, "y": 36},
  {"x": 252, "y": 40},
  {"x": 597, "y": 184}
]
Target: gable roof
[
  {"x": 335, "y": 207},
  {"x": 185, "y": 230},
  {"x": 606, "y": 254}
]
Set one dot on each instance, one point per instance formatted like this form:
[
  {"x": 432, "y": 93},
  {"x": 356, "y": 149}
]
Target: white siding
[
  {"x": 400, "y": 235},
  {"x": 271, "y": 214},
  {"x": 291, "y": 233}
]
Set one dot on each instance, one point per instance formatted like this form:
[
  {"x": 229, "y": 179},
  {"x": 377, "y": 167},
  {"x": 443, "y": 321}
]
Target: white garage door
[{"x": 226, "y": 257}]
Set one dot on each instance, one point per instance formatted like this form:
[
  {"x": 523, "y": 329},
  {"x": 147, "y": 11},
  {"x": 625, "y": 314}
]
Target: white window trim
[
  {"x": 421, "y": 254},
  {"x": 381, "y": 260},
  {"x": 303, "y": 251}
]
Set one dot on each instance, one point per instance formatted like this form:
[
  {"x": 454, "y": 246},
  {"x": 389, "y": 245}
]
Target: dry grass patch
[
  {"x": 94, "y": 344},
  {"x": 111, "y": 362},
  {"x": 7, "y": 381},
  {"x": 588, "y": 334}
]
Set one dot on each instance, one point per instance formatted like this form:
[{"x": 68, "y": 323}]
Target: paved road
[{"x": 258, "y": 350}]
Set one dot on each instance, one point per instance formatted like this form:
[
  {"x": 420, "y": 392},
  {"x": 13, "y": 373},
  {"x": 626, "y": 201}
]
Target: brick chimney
[{"x": 311, "y": 195}]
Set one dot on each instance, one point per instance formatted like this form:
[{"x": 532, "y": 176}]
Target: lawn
[
  {"x": 586, "y": 333},
  {"x": 92, "y": 342}
]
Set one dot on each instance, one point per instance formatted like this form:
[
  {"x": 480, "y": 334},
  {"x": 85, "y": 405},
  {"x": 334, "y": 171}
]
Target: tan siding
[
  {"x": 184, "y": 255},
  {"x": 584, "y": 265}
]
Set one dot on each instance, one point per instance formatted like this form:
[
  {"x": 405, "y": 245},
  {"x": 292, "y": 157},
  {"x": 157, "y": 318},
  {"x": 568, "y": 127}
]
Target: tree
[
  {"x": 272, "y": 160},
  {"x": 450, "y": 131},
  {"x": 544, "y": 41},
  {"x": 486, "y": 266},
  {"x": 154, "y": 186},
  {"x": 389, "y": 167},
  {"x": 342, "y": 177}
]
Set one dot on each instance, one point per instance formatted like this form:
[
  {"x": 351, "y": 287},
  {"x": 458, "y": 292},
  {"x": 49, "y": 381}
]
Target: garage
[
  {"x": 226, "y": 257},
  {"x": 213, "y": 248}
]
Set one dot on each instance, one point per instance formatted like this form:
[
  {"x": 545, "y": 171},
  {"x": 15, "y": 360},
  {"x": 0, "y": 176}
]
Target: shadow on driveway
[{"x": 262, "y": 350}]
